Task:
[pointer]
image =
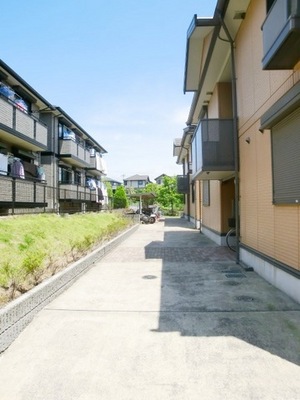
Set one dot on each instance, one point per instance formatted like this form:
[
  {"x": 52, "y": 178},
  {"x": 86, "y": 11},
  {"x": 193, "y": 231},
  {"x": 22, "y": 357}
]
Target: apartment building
[
  {"x": 48, "y": 162},
  {"x": 240, "y": 148}
]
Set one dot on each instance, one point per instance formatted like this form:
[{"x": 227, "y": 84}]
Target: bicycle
[{"x": 229, "y": 235}]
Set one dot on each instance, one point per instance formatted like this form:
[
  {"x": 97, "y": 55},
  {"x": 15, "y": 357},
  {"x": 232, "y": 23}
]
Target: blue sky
[{"x": 116, "y": 67}]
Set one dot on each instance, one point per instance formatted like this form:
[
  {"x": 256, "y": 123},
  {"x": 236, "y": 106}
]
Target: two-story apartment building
[
  {"x": 47, "y": 161},
  {"x": 240, "y": 149}
]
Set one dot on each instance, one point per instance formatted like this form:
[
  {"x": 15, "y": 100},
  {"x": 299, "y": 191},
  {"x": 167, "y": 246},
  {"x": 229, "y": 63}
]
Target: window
[
  {"x": 65, "y": 133},
  {"x": 65, "y": 175},
  {"x": 286, "y": 160},
  {"x": 77, "y": 178},
  {"x": 283, "y": 118},
  {"x": 206, "y": 193}
]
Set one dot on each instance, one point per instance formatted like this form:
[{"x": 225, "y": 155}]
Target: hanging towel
[
  {"x": 17, "y": 169},
  {"x": 3, "y": 164}
]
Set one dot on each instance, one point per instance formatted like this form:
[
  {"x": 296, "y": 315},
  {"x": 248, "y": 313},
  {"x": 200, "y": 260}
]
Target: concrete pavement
[{"x": 166, "y": 315}]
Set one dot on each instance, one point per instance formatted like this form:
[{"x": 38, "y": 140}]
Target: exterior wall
[
  {"x": 220, "y": 105},
  {"x": 32, "y": 137},
  {"x": 211, "y": 215},
  {"x": 227, "y": 204},
  {"x": 135, "y": 184},
  {"x": 215, "y": 216},
  {"x": 198, "y": 205},
  {"x": 268, "y": 229}
]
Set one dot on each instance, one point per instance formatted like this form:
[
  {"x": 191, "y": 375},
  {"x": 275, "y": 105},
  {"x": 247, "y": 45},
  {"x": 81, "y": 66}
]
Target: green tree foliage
[
  {"x": 167, "y": 195},
  {"x": 151, "y": 188},
  {"x": 120, "y": 198},
  {"x": 109, "y": 189}
]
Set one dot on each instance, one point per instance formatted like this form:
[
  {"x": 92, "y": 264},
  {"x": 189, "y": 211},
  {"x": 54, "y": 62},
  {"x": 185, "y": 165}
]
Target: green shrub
[
  {"x": 49, "y": 244},
  {"x": 32, "y": 262}
]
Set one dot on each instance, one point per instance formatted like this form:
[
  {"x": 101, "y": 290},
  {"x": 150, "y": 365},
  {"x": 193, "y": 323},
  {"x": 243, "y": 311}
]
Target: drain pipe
[{"x": 235, "y": 138}]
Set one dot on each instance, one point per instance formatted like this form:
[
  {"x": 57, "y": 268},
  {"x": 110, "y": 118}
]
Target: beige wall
[
  {"x": 216, "y": 215},
  {"x": 211, "y": 215},
  {"x": 272, "y": 230},
  {"x": 227, "y": 201},
  {"x": 220, "y": 105},
  {"x": 195, "y": 207}
]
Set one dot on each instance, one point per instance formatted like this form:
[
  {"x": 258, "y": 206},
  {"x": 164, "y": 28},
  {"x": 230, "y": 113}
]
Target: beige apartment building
[
  {"x": 240, "y": 148},
  {"x": 48, "y": 162}
]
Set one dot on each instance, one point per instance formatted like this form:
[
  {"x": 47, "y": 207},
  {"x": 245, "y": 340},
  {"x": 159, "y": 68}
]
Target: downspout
[{"x": 235, "y": 139}]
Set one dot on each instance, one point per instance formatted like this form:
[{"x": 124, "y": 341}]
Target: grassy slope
[{"x": 37, "y": 246}]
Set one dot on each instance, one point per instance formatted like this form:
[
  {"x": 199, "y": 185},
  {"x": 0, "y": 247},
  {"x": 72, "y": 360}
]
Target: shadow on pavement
[{"x": 205, "y": 293}]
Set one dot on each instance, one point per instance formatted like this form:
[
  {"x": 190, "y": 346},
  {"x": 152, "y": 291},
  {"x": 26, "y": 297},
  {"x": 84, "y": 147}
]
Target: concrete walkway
[{"x": 167, "y": 315}]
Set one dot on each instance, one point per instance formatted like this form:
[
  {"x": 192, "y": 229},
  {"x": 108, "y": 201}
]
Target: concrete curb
[{"x": 19, "y": 313}]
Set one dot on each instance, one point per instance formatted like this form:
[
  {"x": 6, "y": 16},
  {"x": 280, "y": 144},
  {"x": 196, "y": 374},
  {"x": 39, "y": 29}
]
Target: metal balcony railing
[
  {"x": 71, "y": 191},
  {"x": 281, "y": 35},
  {"x": 213, "y": 149},
  {"x": 183, "y": 184}
]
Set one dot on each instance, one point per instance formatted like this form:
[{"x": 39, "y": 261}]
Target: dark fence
[{"x": 25, "y": 196}]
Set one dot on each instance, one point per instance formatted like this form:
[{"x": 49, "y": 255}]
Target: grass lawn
[{"x": 35, "y": 247}]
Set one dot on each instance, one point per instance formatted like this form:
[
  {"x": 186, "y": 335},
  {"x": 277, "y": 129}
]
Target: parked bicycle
[{"x": 230, "y": 239}]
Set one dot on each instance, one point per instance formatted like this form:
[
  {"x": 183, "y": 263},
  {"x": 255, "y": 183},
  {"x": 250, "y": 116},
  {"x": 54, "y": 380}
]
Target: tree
[
  {"x": 109, "y": 189},
  {"x": 152, "y": 188},
  {"x": 120, "y": 199},
  {"x": 167, "y": 195}
]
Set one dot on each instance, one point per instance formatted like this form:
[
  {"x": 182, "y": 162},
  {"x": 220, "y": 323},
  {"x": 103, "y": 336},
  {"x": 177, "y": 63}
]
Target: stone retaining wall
[{"x": 17, "y": 315}]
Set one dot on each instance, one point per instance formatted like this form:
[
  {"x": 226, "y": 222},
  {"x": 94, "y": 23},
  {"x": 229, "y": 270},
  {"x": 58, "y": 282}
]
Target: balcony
[
  {"x": 97, "y": 164},
  {"x": 21, "y": 129},
  {"x": 183, "y": 184},
  {"x": 74, "y": 153},
  {"x": 21, "y": 193},
  {"x": 73, "y": 192},
  {"x": 213, "y": 150},
  {"x": 281, "y": 35}
]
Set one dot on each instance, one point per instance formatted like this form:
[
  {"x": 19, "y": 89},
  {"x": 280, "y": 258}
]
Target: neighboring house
[
  {"x": 113, "y": 182},
  {"x": 136, "y": 181},
  {"x": 47, "y": 161},
  {"x": 240, "y": 149},
  {"x": 160, "y": 179}
]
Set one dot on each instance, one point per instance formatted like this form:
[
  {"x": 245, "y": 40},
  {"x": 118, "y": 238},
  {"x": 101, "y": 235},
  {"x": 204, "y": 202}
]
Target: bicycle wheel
[{"x": 230, "y": 239}]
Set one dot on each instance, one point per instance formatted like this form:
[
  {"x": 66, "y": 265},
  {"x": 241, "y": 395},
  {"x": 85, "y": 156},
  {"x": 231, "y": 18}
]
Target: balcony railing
[
  {"x": 281, "y": 35},
  {"x": 183, "y": 184},
  {"x": 213, "y": 149},
  {"x": 71, "y": 191},
  {"x": 96, "y": 163},
  {"x": 75, "y": 152},
  {"x": 24, "y": 124},
  {"x": 21, "y": 193}
]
